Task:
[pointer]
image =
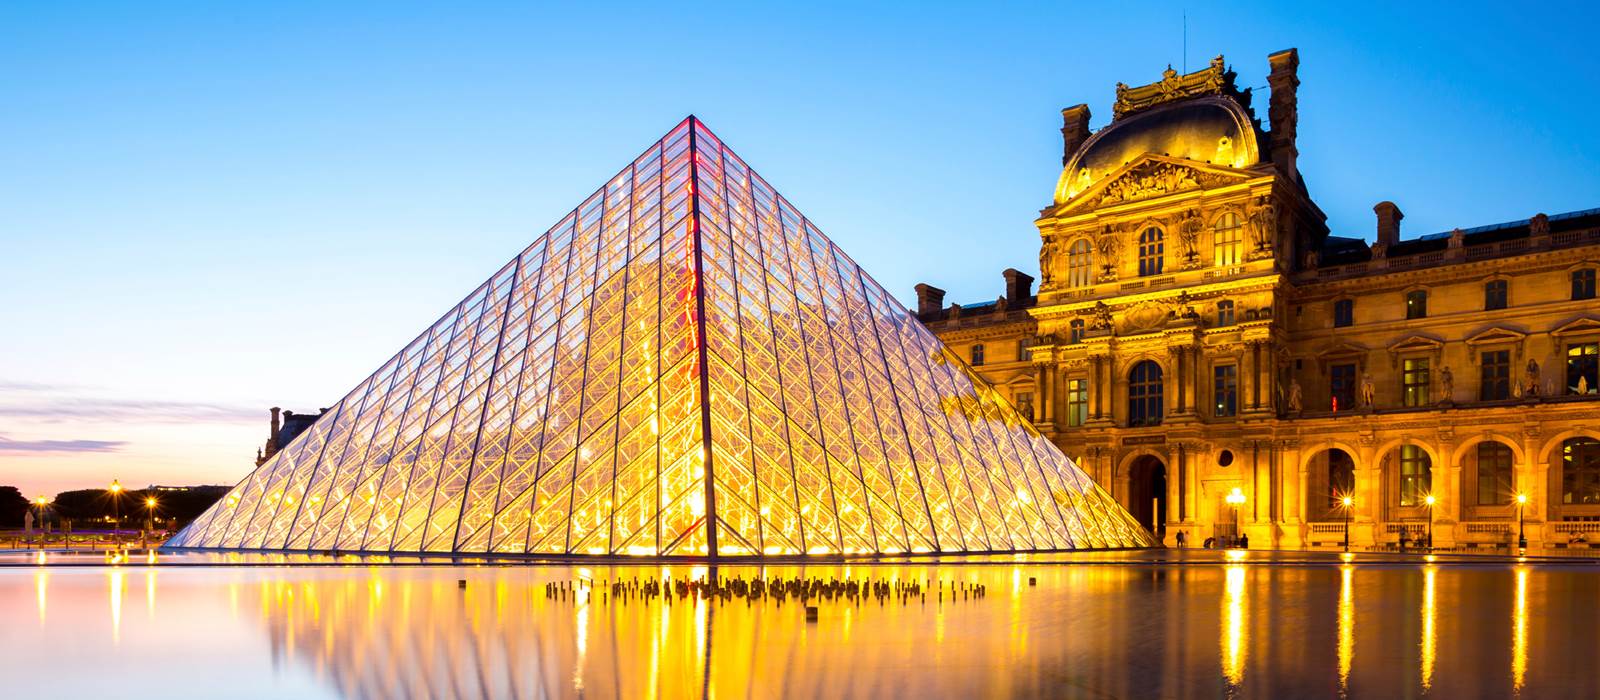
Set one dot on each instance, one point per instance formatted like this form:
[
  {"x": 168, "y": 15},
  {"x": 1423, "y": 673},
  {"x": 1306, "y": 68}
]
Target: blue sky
[{"x": 210, "y": 208}]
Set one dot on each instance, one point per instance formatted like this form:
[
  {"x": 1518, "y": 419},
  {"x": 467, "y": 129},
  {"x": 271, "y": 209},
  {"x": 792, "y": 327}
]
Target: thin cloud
[
  {"x": 59, "y": 446},
  {"x": 72, "y": 408}
]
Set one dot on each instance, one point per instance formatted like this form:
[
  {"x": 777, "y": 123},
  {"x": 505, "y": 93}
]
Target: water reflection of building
[{"x": 1197, "y": 330}]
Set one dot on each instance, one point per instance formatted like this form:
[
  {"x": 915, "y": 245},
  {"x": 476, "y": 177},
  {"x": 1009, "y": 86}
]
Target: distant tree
[{"x": 13, "y": 506}]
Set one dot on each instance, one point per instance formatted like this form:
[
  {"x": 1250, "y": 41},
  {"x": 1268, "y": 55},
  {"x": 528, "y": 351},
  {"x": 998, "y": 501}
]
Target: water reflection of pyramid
[{"x": 564, "y": 406}]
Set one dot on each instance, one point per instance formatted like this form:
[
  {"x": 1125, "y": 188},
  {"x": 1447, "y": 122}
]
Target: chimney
[
  {"x": 1389, "y": 217},
  {"x": 1019, "y": 287},
  {"x": 1074, "y": 130},
  {"x": 930, "y": 301},
  {"x": 1283, "y": 110},
  {"x": 276, "y": 424}
]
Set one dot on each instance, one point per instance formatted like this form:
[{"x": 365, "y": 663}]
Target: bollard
[
  {"x": 811, "y": 613},
  {"x": 1033, "y": 581},
  {"x": 461, "y": 583}
]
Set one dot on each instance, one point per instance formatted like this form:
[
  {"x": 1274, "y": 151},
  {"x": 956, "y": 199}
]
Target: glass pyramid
[{"x": 684, "y": 366}]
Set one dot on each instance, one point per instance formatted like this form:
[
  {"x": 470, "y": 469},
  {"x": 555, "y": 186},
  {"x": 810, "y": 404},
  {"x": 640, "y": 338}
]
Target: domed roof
[{"x": 1213, "y": 129}]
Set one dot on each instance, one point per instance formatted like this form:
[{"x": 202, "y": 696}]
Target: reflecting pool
[{"x": 1137, "y": 625}]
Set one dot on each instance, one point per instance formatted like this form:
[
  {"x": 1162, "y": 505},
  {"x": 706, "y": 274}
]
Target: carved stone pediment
[
  {"x": 1149, "y": 177},
  {"x": 1416, "y": 343},
  {"x": 1577, "y": 326},
  {"x": 1144, "y": 317},
  {"x": 1495, "y": 335}
]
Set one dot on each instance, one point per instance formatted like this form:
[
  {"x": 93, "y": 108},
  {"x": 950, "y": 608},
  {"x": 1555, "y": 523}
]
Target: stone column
[
  {"x": 1247, "y": 374},
  {"x": 1047, "y": 393}
]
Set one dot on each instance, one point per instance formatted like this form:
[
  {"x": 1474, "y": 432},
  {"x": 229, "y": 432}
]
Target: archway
[{"x": 1147, "y": 493}]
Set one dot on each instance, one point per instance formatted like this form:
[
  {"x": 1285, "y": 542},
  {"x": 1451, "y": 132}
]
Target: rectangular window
[
  {"x": 1414, "y": 379},
  {"x": 1494, "y": 383},
  {"x": 1416, "y": 305},
  {"x": 1225, "y": 391},
  {"x": 1224, "y": 313},
  {"x": 1342, "y": 386},
  {"x": 1494, "y": 295},
  {"x": 1024, "y": 402},
  {"x": 1583, "y": 368},
  {"x": 977, "y": 355},
  {"x": 1416, "y": 476},
  {"x": 1075, "y": 331},
  {"x": 1344, "y": 313},
  {"x": 1024, "y": 349},
  {"x": 1077, "y": 402},
  {"x": 1583, "y": 284}
]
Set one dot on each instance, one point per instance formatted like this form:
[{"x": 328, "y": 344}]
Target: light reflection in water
[
  {"x": 1519, "y": 633},
  {"x": 350, "y": 633},
  {"x": 1429, "y": 632},
  {"x": 1347, "y": 625},
  {"x": 1233, "y": 634}
]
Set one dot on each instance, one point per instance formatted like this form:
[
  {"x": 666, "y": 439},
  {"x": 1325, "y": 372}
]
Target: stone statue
[
  {"x": 1447, "y": 384},
  {"x": 1109, "y": 245},
  {"x": 1457, "y": 238},
  {"x": 1102, "y": 317},
  {"x": 1530, "y": 379},
  {"x": 1264, "y": 225},
  {"x": 1189, "y": 235},
  {"x": 1047, "y": 261},
  {"x": 1296, "y": 395},
  {"x": 1369, "y": 391}
]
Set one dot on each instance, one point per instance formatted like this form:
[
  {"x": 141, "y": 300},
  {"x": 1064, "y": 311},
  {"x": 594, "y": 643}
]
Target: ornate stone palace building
[{"x": 1198, "y": 334}]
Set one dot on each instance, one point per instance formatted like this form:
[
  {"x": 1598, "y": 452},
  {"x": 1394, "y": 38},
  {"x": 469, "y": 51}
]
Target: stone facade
[{"x": 1198, "y": 333}]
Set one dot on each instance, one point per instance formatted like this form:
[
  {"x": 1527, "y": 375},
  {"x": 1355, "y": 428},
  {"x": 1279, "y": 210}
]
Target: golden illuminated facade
[
  {"x": 684, "y": 366},
  {"x": 1197, "y": 334}
]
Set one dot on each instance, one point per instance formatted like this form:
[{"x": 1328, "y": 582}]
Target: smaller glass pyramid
[{"x": 684, "y": 366}]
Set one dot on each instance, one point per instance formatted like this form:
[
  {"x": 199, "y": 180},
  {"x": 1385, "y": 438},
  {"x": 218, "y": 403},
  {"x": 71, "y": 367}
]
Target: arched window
[
  {"x": 1580, "y": 471},
  {"x": 1416, "y": 476},
  {"x": 977, "y": 355},
  {"x": 1228, "y": 239},
  {"x": 1150, "y": 252},
  {"x": 1080, "y": 267},
  {"x": 1144, "y": 394},
  {"x": 1341, "y": 477},
  {"x": 1494, "y": 474}
]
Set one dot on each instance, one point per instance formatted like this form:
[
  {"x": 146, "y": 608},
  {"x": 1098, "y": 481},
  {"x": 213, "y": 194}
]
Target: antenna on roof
[{"x": 1185, "y": 41}]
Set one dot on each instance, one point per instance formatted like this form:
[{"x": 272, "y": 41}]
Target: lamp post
[
  {"x": 1346, "y": 502},
  {"x": 116, "y": 509},
  {"x": 1430, "y": 500},
  {"x": 150, "y": 513},
  {"x": 1522, "y": 536},
  {"x": 1235, "y": 498}
]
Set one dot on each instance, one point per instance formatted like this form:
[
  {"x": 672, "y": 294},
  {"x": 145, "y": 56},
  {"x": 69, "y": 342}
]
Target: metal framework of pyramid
[{"x": 684, "y": 366}]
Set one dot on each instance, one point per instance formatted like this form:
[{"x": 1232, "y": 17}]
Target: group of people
[{"x": 1225, "y": 542}]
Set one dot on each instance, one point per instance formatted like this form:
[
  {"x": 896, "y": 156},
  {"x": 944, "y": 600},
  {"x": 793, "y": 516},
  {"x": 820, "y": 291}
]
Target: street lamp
[
  {"x": 1347, "y": 502},
  {"x": 1430, "y": 500},
  {"x": 1522, "y": 535},
  {"x": 116, "y": 508},
  {"x": 150, "y": 513},
  {"x": 1235, "y": 498}
]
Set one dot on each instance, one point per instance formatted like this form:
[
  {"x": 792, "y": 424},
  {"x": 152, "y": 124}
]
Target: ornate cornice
[{"x": 1214, "y": 79}]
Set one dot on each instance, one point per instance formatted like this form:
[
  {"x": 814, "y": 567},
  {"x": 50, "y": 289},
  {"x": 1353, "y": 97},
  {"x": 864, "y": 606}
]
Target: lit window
[
  {"x": 1341, "y": 477},
  {"x": 1583, "y": 284},
  {"x": 977, "y": 355},
  {"x": 1024, "y": 402},
  {"x": 1224, "y": 313},
  {"x": 1414, "y": 379},
  {"x": 1580, "y": 471},
  {"x": 1494, "y": 295},
  {"x": 1080, "y": 269},
  {"x": 1416, "y": 304},
  {"x": 1024, "y": 349},
  {"x": 1075, "y": 331},
  {"x": 1151, "y": 257},
  {"x": 1494, "y": 474},
  {"x": 1225, "y": 390},
  {"x": 1144, "y": 394},
  {"x": 1416, "y": 475},
  {"x": 1342, "y": 386},
  {"x": 1583, "y": 368},
  {"x": 1344, "y": 313},
  {"x": 1077, "y": 402},
  {"x": 1494, "y": 381},
  {"x": 1228, "y": 237}
]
